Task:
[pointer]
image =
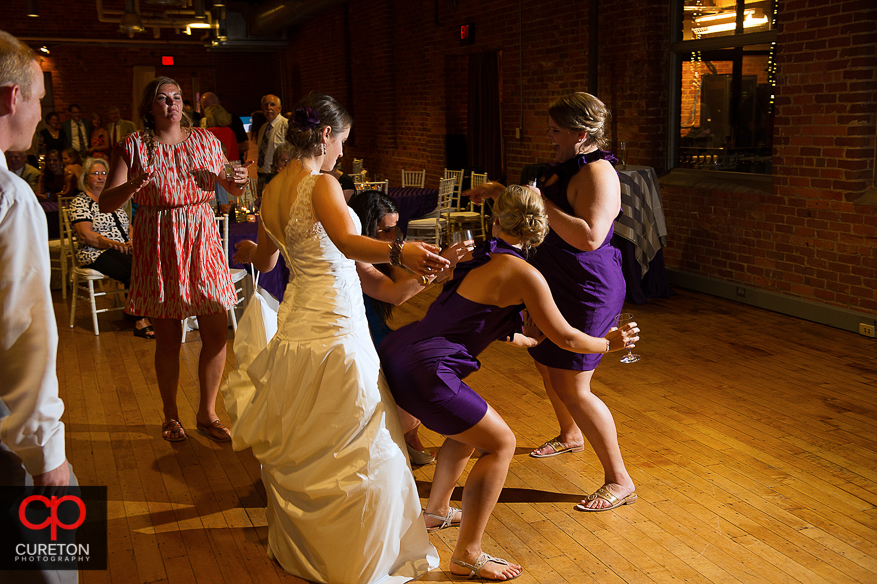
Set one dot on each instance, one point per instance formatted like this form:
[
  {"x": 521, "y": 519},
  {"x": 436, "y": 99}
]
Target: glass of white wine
[
  {"x": 622, "y": 149},
  {"x": 621, "y": 320}
]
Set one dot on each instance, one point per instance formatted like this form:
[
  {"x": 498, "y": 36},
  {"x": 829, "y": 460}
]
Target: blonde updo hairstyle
[
  {"x": 582, "y": 112},
  {"x": 311, "y": 114},
  {"x": 521, "y": 213}
]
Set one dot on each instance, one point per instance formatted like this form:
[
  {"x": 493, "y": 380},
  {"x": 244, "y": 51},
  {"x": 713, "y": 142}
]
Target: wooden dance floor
[{"x": 752, "y": 438}]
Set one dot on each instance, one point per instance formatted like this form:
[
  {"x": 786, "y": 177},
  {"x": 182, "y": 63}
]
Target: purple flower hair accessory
[{"x": 305, "y": 118}]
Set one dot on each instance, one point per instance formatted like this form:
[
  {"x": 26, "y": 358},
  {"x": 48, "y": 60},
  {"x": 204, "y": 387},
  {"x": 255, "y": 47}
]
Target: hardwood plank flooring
[{"x": 752, "y": 437}]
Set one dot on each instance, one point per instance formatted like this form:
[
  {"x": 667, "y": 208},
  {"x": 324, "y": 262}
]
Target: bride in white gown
[{"x": 311, "y": 402}]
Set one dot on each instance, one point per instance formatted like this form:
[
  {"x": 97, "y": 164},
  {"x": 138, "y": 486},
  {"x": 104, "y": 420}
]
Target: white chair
[
  {"x": 413, "y": 178},
  {"x": 84, "y": 279},
  {"x": 237, "y": 274},
  {"x": 61, "y": 250},
  {"x": 457, "y": 175},
  {"x": 237, "y": 278},
  {"x": 472, "y": 215},
  {"x": 431, "y": 228},
  {"x": 357, "y": 166}
]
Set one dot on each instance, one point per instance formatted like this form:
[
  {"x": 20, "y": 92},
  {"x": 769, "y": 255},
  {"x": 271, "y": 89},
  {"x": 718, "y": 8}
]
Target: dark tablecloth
[
  {"x": 640, "y": 234},
  {"x": 413, "y": 202},
  {"x": 274, "y": 282}
]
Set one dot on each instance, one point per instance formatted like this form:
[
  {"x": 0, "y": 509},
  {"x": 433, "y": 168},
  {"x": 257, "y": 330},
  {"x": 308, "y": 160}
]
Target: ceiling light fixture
[
  {"x": 33, "y": 8},
  {"x": 130, "y": 21}
]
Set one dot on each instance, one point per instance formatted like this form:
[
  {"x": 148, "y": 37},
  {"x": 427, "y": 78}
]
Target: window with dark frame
[{"x": 725, "y": 79}]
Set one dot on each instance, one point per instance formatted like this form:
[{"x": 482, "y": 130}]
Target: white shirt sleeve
[{"x": 28, "y": 334}]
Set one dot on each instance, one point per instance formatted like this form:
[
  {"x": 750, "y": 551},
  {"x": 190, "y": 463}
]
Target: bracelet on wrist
[
  {"x": 396, "y": 253},
  {"x": 607, "y": 345}
]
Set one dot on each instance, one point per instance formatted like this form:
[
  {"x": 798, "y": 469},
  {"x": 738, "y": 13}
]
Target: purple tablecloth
[
  {"x": 413, "y": 202},
  {"x": 52, "y": 218},
  {"x": 274, "y": 282}
]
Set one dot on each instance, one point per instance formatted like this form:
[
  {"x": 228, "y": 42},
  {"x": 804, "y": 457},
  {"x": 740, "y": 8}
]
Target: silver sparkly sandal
[
  {"x": 447, "y": 521},
  {"x": 475, "y": 569}
]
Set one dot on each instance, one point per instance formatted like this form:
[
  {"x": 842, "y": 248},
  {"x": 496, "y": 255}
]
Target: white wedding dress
[{"x": 314, "y": 406}]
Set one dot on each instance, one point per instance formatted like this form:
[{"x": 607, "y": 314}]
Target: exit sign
[
  {"x": 467, "y": 34},
  {"x": 166, "y": 60}
]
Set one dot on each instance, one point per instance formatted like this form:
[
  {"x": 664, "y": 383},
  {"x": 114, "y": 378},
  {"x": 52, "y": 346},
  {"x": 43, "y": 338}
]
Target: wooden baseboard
[{"x": 835, "y": 316}]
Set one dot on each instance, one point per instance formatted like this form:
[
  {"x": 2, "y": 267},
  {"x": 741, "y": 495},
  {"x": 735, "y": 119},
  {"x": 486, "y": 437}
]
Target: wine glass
[
  {"x": 622, "y": 149},
  {"x": 461, "y": 236},
  {"x": 621, "y": 320}
]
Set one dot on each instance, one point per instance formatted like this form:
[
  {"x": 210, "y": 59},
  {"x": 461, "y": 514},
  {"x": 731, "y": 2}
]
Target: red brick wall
[
  {"x": 398, "y": 67},
  {"x": 98, "y": 77},
  {"x": 807, "y": 238}
]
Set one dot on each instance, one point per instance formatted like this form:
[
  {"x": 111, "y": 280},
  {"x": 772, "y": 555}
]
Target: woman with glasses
[{"x": 104, "y": 243}]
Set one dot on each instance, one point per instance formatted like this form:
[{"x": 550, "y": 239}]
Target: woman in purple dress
[
  {"x": 583, "y": 270},
  {"x": 426, "y": 361}
]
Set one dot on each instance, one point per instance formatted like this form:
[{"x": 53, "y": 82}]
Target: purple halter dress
[
  {"x": 425, "y": 361},
  {"x": 588, "y": 286}
]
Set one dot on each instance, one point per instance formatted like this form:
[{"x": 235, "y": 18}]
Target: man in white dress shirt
[
  {"x": 271, "y": 135},
  {"x": 32, "y": 447},
  {"x": 16, "y": 162}
]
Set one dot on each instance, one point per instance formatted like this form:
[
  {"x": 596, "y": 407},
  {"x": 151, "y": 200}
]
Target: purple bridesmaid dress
[
  {"x": 588, "y": 286},
  {"x": 425, "y": 361}
]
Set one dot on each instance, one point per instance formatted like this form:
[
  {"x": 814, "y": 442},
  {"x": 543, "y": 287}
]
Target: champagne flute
[
  {"x": 622, "y": 149},
  {"x": 621, "y": 320}
]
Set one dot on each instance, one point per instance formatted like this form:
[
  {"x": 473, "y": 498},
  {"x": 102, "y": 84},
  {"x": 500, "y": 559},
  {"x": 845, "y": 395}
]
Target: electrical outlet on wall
[{"x": 866, "y": 329}]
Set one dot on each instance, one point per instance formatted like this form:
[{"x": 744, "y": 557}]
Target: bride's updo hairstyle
[
  {"x": 582, "y": 112},
  {"x": 311, "y": 114},
  {"x": 521, "y": 213}
]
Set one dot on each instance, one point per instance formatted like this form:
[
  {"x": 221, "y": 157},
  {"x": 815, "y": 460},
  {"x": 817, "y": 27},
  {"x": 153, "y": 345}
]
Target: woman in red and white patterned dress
[{"x": 179, "y": 268}]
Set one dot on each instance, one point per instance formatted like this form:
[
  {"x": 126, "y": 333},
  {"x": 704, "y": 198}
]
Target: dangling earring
[{"x": 323, "y": 147}]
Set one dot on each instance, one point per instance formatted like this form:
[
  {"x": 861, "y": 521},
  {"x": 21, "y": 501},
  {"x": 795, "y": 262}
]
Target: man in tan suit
[{"x": 118, "y": 128}]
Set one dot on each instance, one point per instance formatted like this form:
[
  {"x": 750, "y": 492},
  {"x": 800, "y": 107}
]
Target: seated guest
[
  {"x": 17, "y": 163},
  {"x": 72, "y": 169},
  {"x": 118, "y": 128},
  {"x": 100, "y": 139},
  {"x": 51, "y": 182},
  {"x": 104, "y": 244},
  {"x": 52, "y": 136},
  {"x": 282, "y": 155}
]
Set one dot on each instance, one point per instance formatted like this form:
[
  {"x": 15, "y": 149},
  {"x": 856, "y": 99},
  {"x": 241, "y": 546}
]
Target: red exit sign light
[
  {"x": 166, "y": 60},
  {"x": 467, "y": 34}
]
